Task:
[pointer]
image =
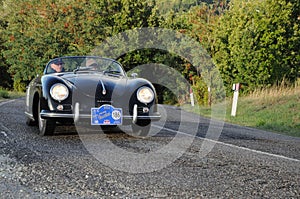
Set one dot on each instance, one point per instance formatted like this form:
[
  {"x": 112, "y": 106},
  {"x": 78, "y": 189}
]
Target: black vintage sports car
[{"x": 89, "y": 89}]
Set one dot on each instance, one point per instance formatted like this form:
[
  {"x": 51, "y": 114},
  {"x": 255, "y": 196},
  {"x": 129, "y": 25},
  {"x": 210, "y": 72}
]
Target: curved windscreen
[{"x": 84, "y": 64}]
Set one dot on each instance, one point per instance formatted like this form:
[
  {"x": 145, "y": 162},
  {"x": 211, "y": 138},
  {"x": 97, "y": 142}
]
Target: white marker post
[
  {"x": 235, "y": 88},
  {"x": 209, "y": 95},
  {"x": 192, "y": 97}
]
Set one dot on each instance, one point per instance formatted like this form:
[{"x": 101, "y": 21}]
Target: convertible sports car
[{"x": 89, "y": 89}]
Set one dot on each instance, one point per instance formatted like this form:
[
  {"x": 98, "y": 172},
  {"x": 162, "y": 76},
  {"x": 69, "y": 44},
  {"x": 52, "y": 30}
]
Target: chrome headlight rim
[
  {"x": 145, "y": 90},
  {"x": 63, "y": 92}
]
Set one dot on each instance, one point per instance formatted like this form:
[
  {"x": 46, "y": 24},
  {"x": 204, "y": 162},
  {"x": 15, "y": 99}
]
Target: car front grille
[{"x": 102, "y": 102}]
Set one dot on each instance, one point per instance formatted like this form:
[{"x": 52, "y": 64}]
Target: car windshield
[{"x": 84, "y": 64}]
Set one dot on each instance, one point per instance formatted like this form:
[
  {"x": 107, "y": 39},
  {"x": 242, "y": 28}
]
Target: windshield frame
[{"x": 77, "y": 64}]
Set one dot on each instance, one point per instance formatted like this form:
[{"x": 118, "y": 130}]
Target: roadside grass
[
  {"x": 275, "y": 109},
  {"x": 6, "y": 94}
]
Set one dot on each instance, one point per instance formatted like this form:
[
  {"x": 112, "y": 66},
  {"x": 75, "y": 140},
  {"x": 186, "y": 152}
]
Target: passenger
[{"x": 91, "y": 63}]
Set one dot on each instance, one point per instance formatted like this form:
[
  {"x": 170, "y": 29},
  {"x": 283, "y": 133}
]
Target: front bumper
[{"x": 46, "y": 114}]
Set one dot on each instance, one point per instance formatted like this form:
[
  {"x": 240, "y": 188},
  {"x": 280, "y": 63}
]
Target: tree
[
  {"x": 257, "y": 43},
  {"x": 38, "y": 31},
  {"x": 199, "y": 23},
  {"x": 6, "y": 81}
]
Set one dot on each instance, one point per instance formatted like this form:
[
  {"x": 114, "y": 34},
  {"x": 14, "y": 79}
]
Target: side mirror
[{"x": 134, "y": 75}]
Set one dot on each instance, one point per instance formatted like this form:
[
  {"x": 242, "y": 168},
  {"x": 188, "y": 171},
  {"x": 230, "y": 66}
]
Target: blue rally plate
[{"x": 106, "y": 115}]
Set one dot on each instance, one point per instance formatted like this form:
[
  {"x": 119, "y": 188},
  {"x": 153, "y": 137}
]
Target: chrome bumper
[{"x": 45, "y": 114}]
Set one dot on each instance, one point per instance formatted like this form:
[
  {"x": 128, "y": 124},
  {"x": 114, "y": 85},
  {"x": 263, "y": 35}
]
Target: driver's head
[{"x": 57, "y": 65}]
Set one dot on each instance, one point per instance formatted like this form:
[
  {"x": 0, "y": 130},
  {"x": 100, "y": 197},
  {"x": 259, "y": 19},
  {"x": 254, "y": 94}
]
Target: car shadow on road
[{"x": 110, "y": 132}]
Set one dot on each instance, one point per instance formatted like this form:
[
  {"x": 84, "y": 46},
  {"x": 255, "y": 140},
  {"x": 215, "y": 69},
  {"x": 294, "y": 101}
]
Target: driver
[{"x": 57, "y": 66}]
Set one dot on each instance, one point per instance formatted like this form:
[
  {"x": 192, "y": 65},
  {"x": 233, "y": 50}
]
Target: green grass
[
  {"x": 6, "y": 94},
  {"x": 276, "y": 109}
]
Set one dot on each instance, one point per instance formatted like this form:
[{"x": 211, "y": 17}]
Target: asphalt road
[{"x": 185, "y": 156}]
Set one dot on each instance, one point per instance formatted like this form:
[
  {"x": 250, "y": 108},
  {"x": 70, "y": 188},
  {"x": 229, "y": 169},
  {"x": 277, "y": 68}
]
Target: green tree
[
  {"x": 6, "y": 81},
  {"x": 38, "y": 31},
  {"x": 199, "y": 23},
  {"x": 257, "y": 43}
]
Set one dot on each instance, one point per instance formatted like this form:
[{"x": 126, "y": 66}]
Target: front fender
[
  {"x": 134, "y": 85},
  {"x": 47, "y": 102}
]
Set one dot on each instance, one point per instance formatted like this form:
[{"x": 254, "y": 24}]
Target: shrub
[{"x": 4, "y": 93}]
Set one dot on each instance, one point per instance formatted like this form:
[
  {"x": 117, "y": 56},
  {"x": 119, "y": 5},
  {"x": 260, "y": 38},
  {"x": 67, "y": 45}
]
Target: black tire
[
  {"x": 141, "y": 128},
  {"x": 46, "y": 126}
]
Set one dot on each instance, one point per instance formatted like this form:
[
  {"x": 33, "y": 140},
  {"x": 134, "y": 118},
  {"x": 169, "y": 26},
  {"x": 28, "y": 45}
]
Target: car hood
[{"x": 90, "y": 84}]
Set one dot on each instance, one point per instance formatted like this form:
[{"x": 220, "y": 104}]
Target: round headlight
[
  {"x": 145, "y": 95},
  {"x": 59, "y": 92}
]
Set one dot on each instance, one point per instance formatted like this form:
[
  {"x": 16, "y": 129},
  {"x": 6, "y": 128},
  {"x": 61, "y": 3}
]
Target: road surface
[{"x": 206, "y": 159}]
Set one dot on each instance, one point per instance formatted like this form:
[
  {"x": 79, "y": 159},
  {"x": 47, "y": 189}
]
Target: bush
[
  {"x": 4, "y": 93},
  {"x": 257, "y": 43}
]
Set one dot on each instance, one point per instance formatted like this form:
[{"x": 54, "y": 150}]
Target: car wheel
[
  {"x": 46, "y": 126},
  {"x": 141, "y": 128}
]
